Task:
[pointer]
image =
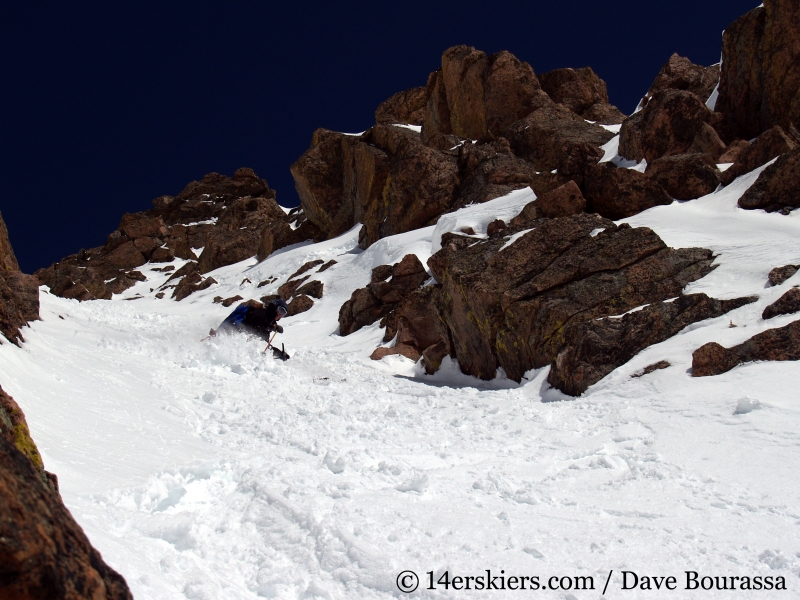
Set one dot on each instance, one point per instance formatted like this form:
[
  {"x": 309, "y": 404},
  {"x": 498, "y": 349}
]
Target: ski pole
[{"x": 269, "y": 342}]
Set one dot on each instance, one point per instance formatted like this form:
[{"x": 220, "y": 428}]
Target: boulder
[
  {"x": 474, "y": 95},
  {"x": 306, "y": 267},
  {"x": 362, "y": 309},
  {"x": 280, "y": 234},
  {"x": 299, "y": 304},
  {"x": 563, "y": 201},
  {"x": 386, "y": 179},
  {"x": 673, "y": 122},
  {"x": 760, "y": 80},
  {"x": 577, "y": 89},
  {"x": 140, "y": 225},
  {"x": 595, "y": 348},
  {"x": 512, "y": 308},
  {"x": 619, "y": 193},
  {"x": 774, "y": 344},
  {"x": 495, "y": 226},
  {"x": 555, "y": 138},
  {"x": 490, "y": 169},
  {"x": 318, "y": 178},
  {"x": 124, "y": 256},
  {"x": 733, "y": 151},
  {"x": 401, "y": 349},
  {"x": 191, "y": 283},
  {"x": 780, "y": 274},
  {"x": 404, "y": 107},
  {"x": 768, "y": 145},
  {"x": 379, "y": 299},
  {"x": 605, "y": 114},
  {"x": 312, "y": 288},
  {"x": 776, "y": 188},
  {"x": 399, "y": 183},
  {"x": 685, "y": 176},
  {"x": 679, "y": 73},
  {"x": 288, "y": 289},
  {"x": 787, "y": 304},
  {"x": 44, "y": 553},
  {"x": 162, "y": 255}
]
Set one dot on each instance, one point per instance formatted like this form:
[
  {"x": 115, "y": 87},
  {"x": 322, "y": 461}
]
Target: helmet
[{"x": 280, "y": 307}]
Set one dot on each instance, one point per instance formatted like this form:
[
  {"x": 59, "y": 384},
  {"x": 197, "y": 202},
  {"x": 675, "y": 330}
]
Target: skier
[{"x": 257, "y": 320}]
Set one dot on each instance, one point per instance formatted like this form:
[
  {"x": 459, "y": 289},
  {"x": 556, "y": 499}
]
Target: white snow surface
[
  {"x": 479, "y": 216},
  {"x": 207, "y": 470}
]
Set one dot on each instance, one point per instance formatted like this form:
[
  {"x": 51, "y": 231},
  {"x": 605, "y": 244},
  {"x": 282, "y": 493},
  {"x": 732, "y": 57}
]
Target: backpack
[{"x": 238, "y": 315}]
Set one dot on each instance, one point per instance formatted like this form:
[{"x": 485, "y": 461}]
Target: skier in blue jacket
[{"x": 261, "y": 321}]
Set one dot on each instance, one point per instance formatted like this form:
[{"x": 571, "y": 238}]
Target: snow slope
[{"x": 207, "y": 470}]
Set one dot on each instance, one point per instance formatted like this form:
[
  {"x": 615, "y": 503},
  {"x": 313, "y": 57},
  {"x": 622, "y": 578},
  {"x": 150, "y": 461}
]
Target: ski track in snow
[{"x": 208, "y": 470}]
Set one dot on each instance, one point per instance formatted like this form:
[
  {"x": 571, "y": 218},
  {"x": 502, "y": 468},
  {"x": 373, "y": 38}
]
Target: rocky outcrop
[
  {"x": 510, "y": 308},
  {"x": 44, "y": 553},
  {"x": 227, "y": 216},
  {"x": 673, "y": 122},
  {"x": 376, "y": 301},
  {"x": 780, "y": 274},
  {"x": 776, "y": 188},
  {"x": 787, "y": 304},
  {"x": 555, "y": 138},
  {"x": 386, "y": 179},
  {"x": 760, "y": 81},
  {"x": 407, "y": 107},
  {"x": 490, "y": 169},
  {"x": 299, "y": 304},
  {"x": 19, "y": 293},
  {"x": 554, "y": 292},
  {"x": 8, "y": 261},
  {"x": 685, "y": 176},
  {"x": 595, "y": 348},
  {"x": 473, "y": 95},
  {"x": 679, "y": 73},
  {"x": 619, "y": 193},
  {"x": 238, "y": 232},
  {"x": 563, "y": 201},
  {"x": 583, "y": 92},
  {"x": 19, "y": 303},
  {"x": 774, "y": 344},
  {"x": 768, "y": 145}
]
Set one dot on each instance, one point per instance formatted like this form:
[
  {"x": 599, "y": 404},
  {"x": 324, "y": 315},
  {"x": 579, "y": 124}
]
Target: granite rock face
[
  {"x": 760, "y": 80},
  {"x": 44, "y": 553},
  {"x": 19, "y": 293}
]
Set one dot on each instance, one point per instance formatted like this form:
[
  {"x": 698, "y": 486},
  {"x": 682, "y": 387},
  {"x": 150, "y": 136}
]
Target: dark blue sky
[{"x": 104, "y": 106}]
